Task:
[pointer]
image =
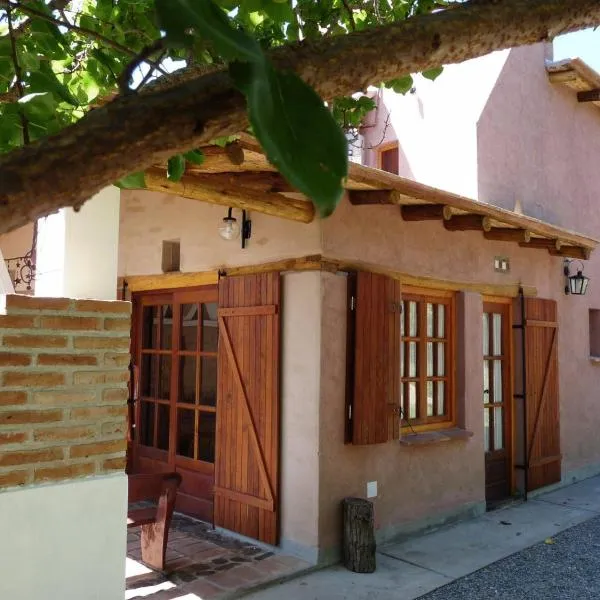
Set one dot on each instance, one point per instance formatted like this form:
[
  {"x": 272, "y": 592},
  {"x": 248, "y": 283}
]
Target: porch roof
[
  {"x": 578, "y": 76},
  {"x": 242, "y": 177}
]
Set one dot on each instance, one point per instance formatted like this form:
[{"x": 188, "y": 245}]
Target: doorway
[{"x": 497, "y": 396}]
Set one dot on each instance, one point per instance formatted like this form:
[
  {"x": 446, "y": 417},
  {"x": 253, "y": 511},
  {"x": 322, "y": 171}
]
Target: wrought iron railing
[{"x": 22, "y": 272}]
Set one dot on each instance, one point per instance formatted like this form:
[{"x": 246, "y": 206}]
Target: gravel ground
[{"x": 567, "y": 569}]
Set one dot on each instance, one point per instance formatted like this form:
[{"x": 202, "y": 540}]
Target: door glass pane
[
  {"x": 498, "y": 429},
  {"x": 189, "y": 326},
  {"x": 187, "y": 379},
  {"x": 486, "y": 382},
  {"x": 162, "y": 442},
  {"x": 429, "y": 320},
  {"x": 441, "y": 320},
  {"x": 185, "y": 432},
  {"x": 486, "y": 429},
  {"x": 412, "y": 400},
  {"x": 402, "y": 351},
  {"x": 403, "y": 316},
  {"x": 412, "y": 359},
  {"x": 206, "y": 436},
  {"x": 441, "y": 398},
  {"x": 147, "y": 423},
  {"x": 210, "y": 330},
  {"x": 412, "y": 319},
  {"x": 486, "y": 334},
  {"x": 498, "y": 381},
  {"x": 150, "y": 327},
  {"x": 441, "y": 348},
  {"x": 497, "y": 328},
  {"x": 164, "y": 379},
  {"x": 166, "y": 333},
  {"x": 146, "y": 383},
  {"x": 429, "y": 359},
  {"x": 430, "y": 398},
  {"x": 208, "y": 384}
]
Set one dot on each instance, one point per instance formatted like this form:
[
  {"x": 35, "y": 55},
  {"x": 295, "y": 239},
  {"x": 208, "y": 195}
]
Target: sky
[{"x": 581, "y": 44}]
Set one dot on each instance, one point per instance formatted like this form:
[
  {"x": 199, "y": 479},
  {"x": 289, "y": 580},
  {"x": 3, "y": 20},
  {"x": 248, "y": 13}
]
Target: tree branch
[{"x": 137, "y": 131}]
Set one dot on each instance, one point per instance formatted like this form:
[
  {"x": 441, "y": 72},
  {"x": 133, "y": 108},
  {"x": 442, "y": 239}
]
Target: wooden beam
[
  {"x": 258, "y": 181},
  {"x": 505, "y": 234},
  {"x": 167, "y": 281},
  {"x": 572, "y": 252},
  {"x": 231, "y": 195},
  {"x": 426, "y": 212},
  {"x": 589, "y": 95},
  {"x": 543, "y": 244},
  {"x": 362, "y": 197},
  {"x": 468, "y": 223}
]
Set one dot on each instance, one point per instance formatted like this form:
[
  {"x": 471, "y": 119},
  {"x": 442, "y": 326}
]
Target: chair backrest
[{"x": 150, "y": 486}]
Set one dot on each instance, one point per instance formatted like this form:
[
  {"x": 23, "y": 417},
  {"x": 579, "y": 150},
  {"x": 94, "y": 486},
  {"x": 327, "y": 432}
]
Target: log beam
[
  {"x": 572, "y": 252},
  {"x": 258, "y": 181},
  {"x": 468, "y": 223},
  {"x": 506, "y": 234},
  {"x": 426, "y": 212},
  {"x": 543, "y": 244},
  {"x": 589, "y": 95},
  {"x": 226, "y": 195},
  {"x": 366, "y": 197}
]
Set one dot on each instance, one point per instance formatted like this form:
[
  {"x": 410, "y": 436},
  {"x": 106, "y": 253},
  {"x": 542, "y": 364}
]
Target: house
[{"x": 416, "y": 348}]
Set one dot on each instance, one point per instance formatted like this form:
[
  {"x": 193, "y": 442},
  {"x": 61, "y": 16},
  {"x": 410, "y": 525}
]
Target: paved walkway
[{"x": 413, "y": 568}]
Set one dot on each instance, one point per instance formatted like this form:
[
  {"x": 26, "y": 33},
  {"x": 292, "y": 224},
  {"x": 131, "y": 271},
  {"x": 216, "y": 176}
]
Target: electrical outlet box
[
  {"x": 501, "y": 264},
  {"x": 371, "y": 489}
]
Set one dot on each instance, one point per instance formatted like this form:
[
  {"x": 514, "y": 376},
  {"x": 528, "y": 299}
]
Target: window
[
  {"x": 427, "y": 358},
  {"x": 594, "y": 332},
  {"x": 388, "y": 158}
]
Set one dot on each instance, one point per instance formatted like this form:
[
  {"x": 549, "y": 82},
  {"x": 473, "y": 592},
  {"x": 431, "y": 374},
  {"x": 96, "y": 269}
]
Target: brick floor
[{"x": 205, "y": 563}]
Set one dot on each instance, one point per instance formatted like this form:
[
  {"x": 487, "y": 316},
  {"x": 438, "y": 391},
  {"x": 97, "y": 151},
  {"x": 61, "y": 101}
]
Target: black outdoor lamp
[
  {"x": 230, "y": 228},
  {"x": 575, "y": 284}
]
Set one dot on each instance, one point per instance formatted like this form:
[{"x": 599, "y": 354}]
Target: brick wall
[{"x": 63, "y": 389}]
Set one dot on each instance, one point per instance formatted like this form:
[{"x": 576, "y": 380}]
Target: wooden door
[
  {"x": 497, "y": 396},
  {"x": 247, "y": 460},
  {"x": 542, "y": 401},
  {"x": 175, "y": 351}
]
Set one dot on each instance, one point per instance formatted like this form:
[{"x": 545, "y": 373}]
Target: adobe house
[{"x": 417, "y": 347}]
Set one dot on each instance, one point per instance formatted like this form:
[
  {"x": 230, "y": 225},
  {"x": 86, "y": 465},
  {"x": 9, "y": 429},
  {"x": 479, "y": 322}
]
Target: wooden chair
[{"x": 154, "y": 520}]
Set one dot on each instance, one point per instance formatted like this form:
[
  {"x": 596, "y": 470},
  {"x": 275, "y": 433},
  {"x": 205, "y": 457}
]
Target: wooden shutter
[
  {"x": 543, "y": 423},
  {"x": 247, "y": 446},
  {"x": 374, "y": 410}
]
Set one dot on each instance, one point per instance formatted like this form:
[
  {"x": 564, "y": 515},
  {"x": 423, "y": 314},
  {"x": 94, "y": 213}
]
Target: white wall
[{"x": 64, "y": 541}]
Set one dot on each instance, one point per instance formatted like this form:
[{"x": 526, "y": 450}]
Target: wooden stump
[{"x": 359, "y": 535}]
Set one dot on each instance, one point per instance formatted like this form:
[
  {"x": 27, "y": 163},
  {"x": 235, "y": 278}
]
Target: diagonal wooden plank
[
  {"x": 536, "y": 427},
  {"x": 224, "y": 333}
]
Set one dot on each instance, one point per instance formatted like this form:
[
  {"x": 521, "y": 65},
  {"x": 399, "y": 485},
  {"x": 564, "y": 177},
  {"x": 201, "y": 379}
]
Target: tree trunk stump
[{"x": 359, "y": 535}]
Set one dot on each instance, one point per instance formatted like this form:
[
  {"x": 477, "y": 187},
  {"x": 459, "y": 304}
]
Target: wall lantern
[
  {"x": 575, "y": 284},
  {"x": 230, "y": 229}
]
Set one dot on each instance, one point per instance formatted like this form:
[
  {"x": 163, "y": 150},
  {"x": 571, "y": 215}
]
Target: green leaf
[
  {"x": 46, "y": 81},
  {"x": 135, "y": 181},
  {"x": 194, "y": 156},
  {"x": 176, "y": 167},
  {"x": 432, "y": 73},
  {"x": 401, "y": 85},
  {"x": 297, "y": 132}
]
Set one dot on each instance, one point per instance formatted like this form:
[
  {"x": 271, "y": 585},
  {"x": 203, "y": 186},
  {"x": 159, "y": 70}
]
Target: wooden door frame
[{"x": 508, "y": 384}]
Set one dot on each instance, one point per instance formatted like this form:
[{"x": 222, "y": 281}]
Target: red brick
[
  {"x": 9, "y": 459},
  {"x": 116, "y": 359},
  {"x": 12, "y": 398},
  {"x": 101, "y": 343},
  {"x": 115, "y": 395},
  {"x": 12, "y": 437},
  {"x": 99, "y": 377},
  {"x": 63, "y": 398},
  {"x": 16, "y": 322},
  {"x": 64, "y": 472},
  {"x": 67, "y": 360},
  {"x": 33, "y": 379},
  {"x": 102, "y": 306},
  {"x": 21, "y": 417},
  {"x": 114, "y": 464},
  {"x": 18, "y": 302},
  {"x": 85, "y": 450},
  {"x": 13, "y": 479},
  {"x": 34, "y": 341},
  {"x": 114, "y": 428},
  {"x": 13, "y": 359},
  {"x": 52, "y": 434},
  {"x": 70, "y": 323},
  {"x": 98, "y": 412}
]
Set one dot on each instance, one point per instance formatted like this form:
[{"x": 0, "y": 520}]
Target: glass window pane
[
  {"x": 164, "y": 379},
  {"x": 441, "y": 398},
  {"x": 210, "y": 329},
  {"x": 185, "y": 432},
  {"x": 146, "y": 375},
  {"x": 412, "y": 319},
  {"x": 149, "y": 327},
  {"x": 189, "y": 326},
  {"x": 429, "y": 320},
  {"x": 441, "y": 358},
  {"x": 412, "y": 359},
  {"x": 402, "y": 317},
  {"x": 147, "y": 423},
  {"x": 498, "y": 381},
  {"x": 412, "y": 400},
  {"x": 162, "y": 442},
  {"x": 187, "y": 379},
  {"x": 402, "y": 351},
  {"x": 166, "y": 333},
  {"x": 486, "y": 429},
  {"x": 441, "y": 320},
  {"x": 206, "y": 436},
  {"x": 429, "y": 359},
  {"x": 430, "y": 398},
  {"x": 486, "y": 382},
  {"x": 498, "y": 429},
  {"x": 497, "y": 328},
  {"x": 208, "y": 382},
  {"x": 486, "y": 334}
]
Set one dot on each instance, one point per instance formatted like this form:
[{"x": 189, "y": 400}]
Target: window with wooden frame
[
  {"x": 427, "y": 357},
  {"x": 388, "y": 158}
]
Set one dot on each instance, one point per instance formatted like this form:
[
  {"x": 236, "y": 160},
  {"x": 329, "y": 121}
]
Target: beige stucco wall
[{"x": 18, "y": 242}]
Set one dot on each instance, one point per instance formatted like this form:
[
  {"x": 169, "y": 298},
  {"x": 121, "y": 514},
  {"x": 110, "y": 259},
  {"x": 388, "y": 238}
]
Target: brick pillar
[{"x": 63, "y": 391}]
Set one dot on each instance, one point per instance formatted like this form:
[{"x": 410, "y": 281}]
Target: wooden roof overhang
[
  {"x": 578, "y": 76},
  {"x": 241, "y": 177}
]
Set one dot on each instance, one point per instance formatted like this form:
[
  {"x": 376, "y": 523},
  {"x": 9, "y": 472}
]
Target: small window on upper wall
[
  {"x": 388, "y": 158},
  {"x": 594, "y": 332}
]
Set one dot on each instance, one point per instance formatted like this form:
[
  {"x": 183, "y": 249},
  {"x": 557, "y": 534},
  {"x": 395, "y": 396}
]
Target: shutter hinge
[
  {"x": 350, "y": 412},
  {"x": 352, "y": 303}
]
